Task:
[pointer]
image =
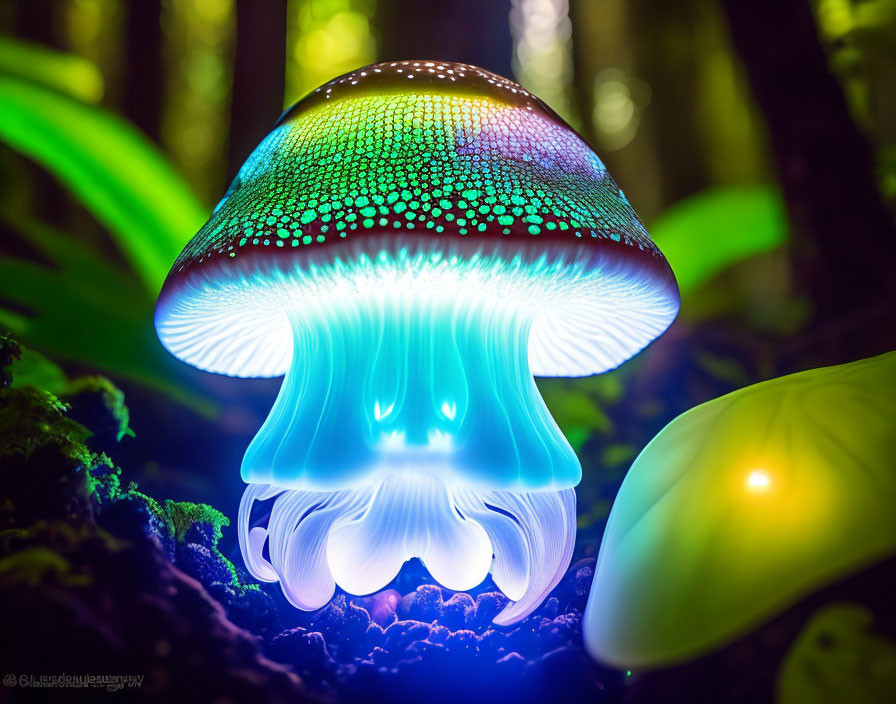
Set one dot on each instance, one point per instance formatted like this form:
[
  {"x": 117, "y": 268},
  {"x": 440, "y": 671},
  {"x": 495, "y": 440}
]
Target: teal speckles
[{"x": 443, "y": 160}]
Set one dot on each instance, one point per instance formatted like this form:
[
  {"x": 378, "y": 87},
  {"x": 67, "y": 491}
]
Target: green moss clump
[
  {"x": 32, "y": 419},
  {"x": 109, "y": 396},
  {"x": 52, "y": 473},
  {"x": 104, "y": 481},
  {"x": 154, "y": 507},
  {"x": 184, "y": 514}
]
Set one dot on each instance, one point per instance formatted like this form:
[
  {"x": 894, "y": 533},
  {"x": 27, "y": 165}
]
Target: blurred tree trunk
[
  {"x": 603, "y": 38},
  {"x": 668, "y": 57},
  {"x": 258, "y": 76},
  {"x": 587, "y": 60},
  {"x": 470, "y": 31},
  {"x": 35, "y": 21},
  {"x": 845, "y": 248},
  {"x": 144, "y": 76}
]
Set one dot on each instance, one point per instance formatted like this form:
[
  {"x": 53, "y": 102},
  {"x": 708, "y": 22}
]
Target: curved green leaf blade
[
  {"x": 67, "y": 73},
  {"x": 81, "y": 309},
  {"x": 115, "y": 172},
  {"x": 706, "y": 233}
]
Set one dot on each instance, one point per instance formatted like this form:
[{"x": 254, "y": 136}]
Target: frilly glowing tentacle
[
  {"x": 360, "y": 538},
  {"x": 410, "y": 516},
  {"x": 252, "y": 541},
  {"x": 510, "y": 567},
  {"x": 547, "y": 521},
  {"x": 300, "y": 528}
]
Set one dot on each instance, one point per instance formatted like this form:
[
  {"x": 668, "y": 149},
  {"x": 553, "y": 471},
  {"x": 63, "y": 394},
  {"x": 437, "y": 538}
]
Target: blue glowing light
[
  {"x": 384, "y": 381},
  {"x": 409, "y": 425},
  {"x": 408, "y": 255}
]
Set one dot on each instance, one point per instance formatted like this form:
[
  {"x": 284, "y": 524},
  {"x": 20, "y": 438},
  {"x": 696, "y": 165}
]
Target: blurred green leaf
[
  {"x": 576, "y": 436},
  {"x": 112, "y": 169},
  {"x": 575, "y": 411},
  {"x": 33, "y": 369},
  {"x": 837, "y": 657},
  {"x": 724, "y": 369},
  {"x": 706, "y": 233},
  {"x": 592, "y": 512},
  {"x": 606, "y": 388},
  {"x": 617, "y": 455},
  {"x": 67, "y": 73},
  {"x": 82, "y": 309}
]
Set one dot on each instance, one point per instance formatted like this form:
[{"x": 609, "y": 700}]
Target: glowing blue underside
[
  {"x": 386, "y": 382},
  {"x": 592, "y": 309},
  {"x": 408, "y": 424}
]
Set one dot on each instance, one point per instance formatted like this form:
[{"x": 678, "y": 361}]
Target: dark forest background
[{"x": 757, "y": 140}]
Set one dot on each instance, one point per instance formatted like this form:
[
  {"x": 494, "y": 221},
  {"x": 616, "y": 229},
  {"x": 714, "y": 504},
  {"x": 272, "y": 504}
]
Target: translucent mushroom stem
[
  {"x": 409, "y": 425},
  {"x": 389, "y": 381}
]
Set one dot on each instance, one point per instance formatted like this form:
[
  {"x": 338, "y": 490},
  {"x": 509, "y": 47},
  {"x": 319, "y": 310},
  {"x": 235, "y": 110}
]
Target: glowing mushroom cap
[
  {"x": 741, "y": 506},
  {"x": 444, "y": 171}
]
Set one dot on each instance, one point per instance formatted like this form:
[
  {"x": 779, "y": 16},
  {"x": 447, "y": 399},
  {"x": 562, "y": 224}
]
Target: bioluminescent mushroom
[
  {"x": 741, "y": 506},
  {"x": 408, "y": 246}
]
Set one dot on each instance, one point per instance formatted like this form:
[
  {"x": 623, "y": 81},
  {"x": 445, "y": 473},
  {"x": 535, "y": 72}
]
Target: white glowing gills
[
  {"x": 323, "y": 538},
  {"x": 379, "y": 249}
]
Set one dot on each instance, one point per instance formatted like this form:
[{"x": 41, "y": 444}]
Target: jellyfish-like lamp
[{"x": 408, "y": 246}]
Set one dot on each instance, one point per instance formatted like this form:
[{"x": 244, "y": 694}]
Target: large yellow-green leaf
[
  {"x": 742, "y": 507},
  {"x": 112, "y": 169},
  {"x": 706, "y": 233}
]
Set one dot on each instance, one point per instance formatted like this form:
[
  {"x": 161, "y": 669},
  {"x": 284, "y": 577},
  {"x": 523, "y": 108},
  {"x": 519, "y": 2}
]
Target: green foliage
[
  {"x": 32, "y": 418},
  {"x": 838, "y": 658},
  {"x": 706, "y": 233},
  {"x": 85, "y": 307},
  {"x": 110, "y": 167},
  {"x": 67, "y": 73},
  {"x": 618, "y": 455},
  {"x": 724, "y": 368},
  {"x": 184, "y": 514},
  {"x": 34, "y": 369},
  {"x": 112, "y": 399},
  {"x": 592, "y": 512},
  {"x": 578, "y": 405},
  {"x": 104, "y": 482},
  {"x": 84, "y": 310},
  {"x": 861, "y": 39},
  {"x": 576, "y": 412},
  {"x": 31, "y": 567},
  {"x": 155, "y": 509}
]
